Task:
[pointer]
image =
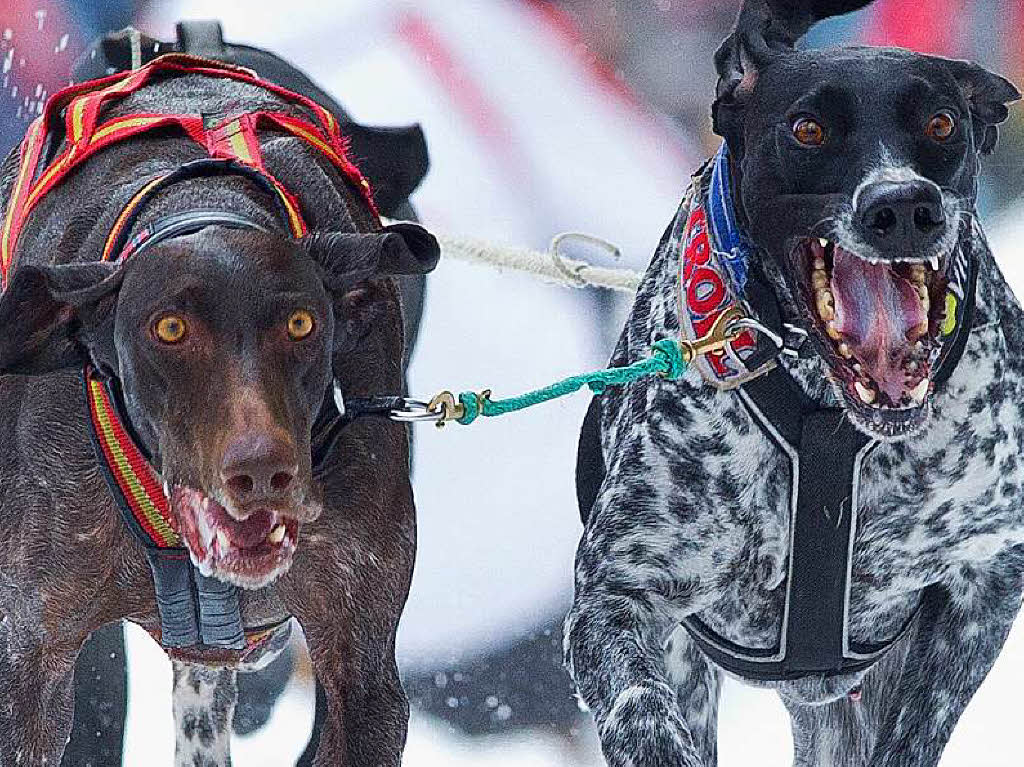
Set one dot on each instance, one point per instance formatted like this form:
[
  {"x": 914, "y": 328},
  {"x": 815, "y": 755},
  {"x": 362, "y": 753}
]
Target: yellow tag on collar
[{"x": 949, "y": 319}]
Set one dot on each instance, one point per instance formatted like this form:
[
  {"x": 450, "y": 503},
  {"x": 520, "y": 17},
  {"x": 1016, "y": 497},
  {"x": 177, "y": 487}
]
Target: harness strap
[
  {"x": 117, "y": 244},
  {"x": 233, "y": 137}
]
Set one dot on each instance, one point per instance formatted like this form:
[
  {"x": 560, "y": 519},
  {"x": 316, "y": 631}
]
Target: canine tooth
[
  {"x": 826, "y": 305},
  {"x": 823, "y": 242},
  {"x": 222, "y": 541},
  {"x": 866, "y": 395},
  {"x": 167, "y": 490},
  {"x": 844, "y": 350},
  {"x": 919, "y": 392},
  {"x": 277, "y": 534},
  {"x": 933, "y": 262}
]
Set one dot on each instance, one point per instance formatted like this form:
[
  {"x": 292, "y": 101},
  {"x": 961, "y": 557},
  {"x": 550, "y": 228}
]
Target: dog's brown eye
[
  {"x": 941, "y": 126},
  {"x": 170, "y": 329},
  {"x": 300, "y": 324},
  {"x": 809, "y": 132}
]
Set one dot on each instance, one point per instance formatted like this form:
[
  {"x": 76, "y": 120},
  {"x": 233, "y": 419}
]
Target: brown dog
[{"x": 222, "y": 341}]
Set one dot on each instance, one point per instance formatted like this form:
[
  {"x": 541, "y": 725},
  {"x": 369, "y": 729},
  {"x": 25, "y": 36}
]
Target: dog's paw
[{"x": 645, "y": 729}]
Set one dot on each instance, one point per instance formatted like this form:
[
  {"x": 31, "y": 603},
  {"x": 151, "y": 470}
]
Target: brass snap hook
[
  {"x": 446, "y": 408},
  {"x": 721, "y": 333}
]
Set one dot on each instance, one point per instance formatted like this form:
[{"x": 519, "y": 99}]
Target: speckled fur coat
[{"x": 693, "y": 518}]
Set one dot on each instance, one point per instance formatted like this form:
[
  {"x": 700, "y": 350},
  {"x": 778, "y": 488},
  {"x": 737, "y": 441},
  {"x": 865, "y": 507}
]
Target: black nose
[{"x": 901, "y": 218}]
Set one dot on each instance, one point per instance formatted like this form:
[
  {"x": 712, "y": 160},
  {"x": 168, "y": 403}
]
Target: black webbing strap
[
  {"x": 330, "y": 422},
  {"x": 816, "y": 624}
]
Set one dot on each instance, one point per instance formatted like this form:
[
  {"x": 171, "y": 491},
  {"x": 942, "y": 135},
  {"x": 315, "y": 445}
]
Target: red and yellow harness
[{"x": 233, "y": 139}]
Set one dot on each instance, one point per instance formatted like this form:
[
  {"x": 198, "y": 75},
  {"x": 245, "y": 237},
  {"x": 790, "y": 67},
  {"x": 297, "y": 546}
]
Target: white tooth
[
  {"x": 819, "y": 264},
  {"x": 844, "y": 350},
  {"x": 277, "y": 534},
  {"x": 819, "y": 280},
  {"x": 167, "y": 490},
  {"x": 919, "y": 392},
  {"x": 222, "y": 541},
  {"x": 823, "y": 242},
  {"x": 933, "y": 262},
  {"x": 866, "y": 395}
]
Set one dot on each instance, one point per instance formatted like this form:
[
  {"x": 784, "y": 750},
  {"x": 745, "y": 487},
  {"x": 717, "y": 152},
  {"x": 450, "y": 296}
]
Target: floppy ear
[
  {"x": 764, "y": 29},
  {"x": 988, "y": 94},
  {"x": 350, "y": 258},
  {"x": 48, "y": 312},
  {"x": 349, "y": 263}
]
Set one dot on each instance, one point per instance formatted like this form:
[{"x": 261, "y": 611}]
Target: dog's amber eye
[
  {"x": 170, "y": 328},
  {"x": 941, "y": 127},
  {"x": 300, "y": 324},
  {"x": 809, "y": 132}
]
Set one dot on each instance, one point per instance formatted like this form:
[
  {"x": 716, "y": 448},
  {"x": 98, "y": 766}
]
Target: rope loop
[{"x": 672, "y": 354}]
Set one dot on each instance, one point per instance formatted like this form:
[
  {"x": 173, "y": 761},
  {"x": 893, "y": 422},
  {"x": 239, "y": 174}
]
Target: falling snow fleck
[
  {"x": 8, "y": 33},
  {"x": 40, "y": 18},
  {"x": 63, "y": 43},
  {"x": 453, "y": 702},
  {"x": 8, "y": 60}
]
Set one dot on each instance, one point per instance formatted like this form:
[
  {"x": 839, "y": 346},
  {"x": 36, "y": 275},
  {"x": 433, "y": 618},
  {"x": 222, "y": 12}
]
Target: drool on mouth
[
  {"x": 250, "y": 553},
  {"x": 878, "y": 323}
]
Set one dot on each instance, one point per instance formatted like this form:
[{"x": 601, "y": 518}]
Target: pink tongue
[
  {"x": 250, "y": 532},
  {"x": 875, "y": 310}
]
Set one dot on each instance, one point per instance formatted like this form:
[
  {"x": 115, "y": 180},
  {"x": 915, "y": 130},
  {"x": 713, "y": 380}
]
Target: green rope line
[{"x": 667, "y": 360}]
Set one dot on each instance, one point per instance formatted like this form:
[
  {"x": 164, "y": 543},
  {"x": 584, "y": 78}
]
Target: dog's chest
[{"x": 926, "y": 508}]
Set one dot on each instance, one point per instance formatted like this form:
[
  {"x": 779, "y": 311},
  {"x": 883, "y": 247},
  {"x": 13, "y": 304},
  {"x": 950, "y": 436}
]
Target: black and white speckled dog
[{"x": 844, "y": 525}]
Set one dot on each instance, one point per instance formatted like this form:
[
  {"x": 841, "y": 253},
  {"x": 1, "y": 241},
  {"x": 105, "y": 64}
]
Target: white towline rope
[{"x": 551, "y": 266}]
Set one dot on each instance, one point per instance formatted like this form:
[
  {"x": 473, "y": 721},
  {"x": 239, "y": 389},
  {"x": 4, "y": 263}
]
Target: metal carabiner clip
[{"x": 412, "y": 411}]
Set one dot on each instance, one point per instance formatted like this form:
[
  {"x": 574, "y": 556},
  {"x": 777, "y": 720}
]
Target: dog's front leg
[
  {"x": 624, "y": 610},
  {"x": 36, "y": 698},
  {"x": 959, "y": 634},
  {"x": 347, "y": 587},
  {"x": 204, "y": 704}
]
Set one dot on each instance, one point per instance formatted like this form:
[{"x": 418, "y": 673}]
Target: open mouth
[
  {"x": 878, "y": 326},
  {"x": 250, "y": 552}
]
